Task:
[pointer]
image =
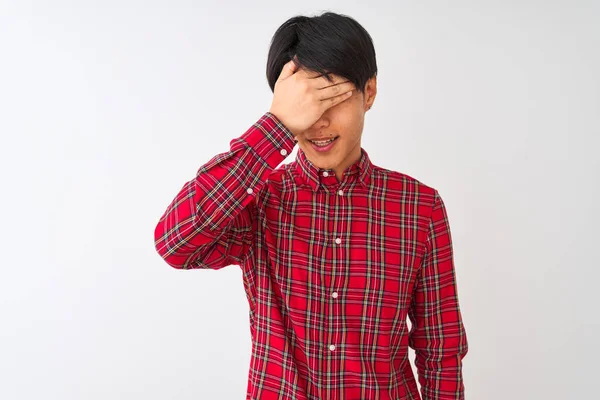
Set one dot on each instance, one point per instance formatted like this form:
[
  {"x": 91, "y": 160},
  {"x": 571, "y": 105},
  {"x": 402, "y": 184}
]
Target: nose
[{"x": 322, "y": 122}]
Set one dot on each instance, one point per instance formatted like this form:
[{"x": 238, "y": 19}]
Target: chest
[{"x": 359, "y": 251}]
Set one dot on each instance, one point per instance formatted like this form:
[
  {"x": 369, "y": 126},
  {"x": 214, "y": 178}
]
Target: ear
[{"x": 370, "y": 92}]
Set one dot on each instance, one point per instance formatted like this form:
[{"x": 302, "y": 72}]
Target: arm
[
  {"x": 437, "y": 334},
  {"x": 209, "y": 222}
]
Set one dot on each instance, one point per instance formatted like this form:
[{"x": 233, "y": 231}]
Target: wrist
[{"x": 276, "y": 115}]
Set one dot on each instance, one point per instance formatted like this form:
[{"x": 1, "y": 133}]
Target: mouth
[{"x": 323, "y": 145}]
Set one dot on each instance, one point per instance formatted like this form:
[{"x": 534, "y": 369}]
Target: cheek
[
  {"x": 347, "y": 113},
  {"x": 352, "y": 120}
]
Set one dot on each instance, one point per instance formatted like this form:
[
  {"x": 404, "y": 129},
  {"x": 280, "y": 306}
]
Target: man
[{"x": 335, "y": 251}]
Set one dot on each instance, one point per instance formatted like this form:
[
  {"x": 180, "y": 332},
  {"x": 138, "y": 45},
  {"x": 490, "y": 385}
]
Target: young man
[{"x": 335, "y": 251}]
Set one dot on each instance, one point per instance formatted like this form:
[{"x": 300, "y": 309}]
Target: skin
[
  {"x": 313, "y": 108},
  {"x": 345, "y": 120}
]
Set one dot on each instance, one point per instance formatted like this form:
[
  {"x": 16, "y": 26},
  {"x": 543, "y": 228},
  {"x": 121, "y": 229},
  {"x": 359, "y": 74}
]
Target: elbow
[
  {"x": 164, "y": 251},
  {"x": 172, "y": 259}
]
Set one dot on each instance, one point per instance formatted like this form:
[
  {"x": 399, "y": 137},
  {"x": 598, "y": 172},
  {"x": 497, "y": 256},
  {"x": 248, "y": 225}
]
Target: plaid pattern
[{"x": 331, "y": 270}]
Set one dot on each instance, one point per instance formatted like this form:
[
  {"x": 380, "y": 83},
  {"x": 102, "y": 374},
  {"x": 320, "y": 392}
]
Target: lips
[
  {"x": 325, "y": 139},
  {"x": 326, "y": 147}
]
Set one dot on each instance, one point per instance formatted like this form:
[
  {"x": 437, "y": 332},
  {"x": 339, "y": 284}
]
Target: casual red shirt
[{"x": 331, "y": 270}]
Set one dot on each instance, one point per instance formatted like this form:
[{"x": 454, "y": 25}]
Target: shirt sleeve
[
  {"x": 209, "y": 223},
  {"x": 437, "y": 334}
]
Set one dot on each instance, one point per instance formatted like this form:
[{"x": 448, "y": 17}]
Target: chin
[{"x": 329, "y": 163}]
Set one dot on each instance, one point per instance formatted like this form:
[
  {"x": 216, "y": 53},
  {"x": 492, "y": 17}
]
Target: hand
[{"x": 299, "y": 98}]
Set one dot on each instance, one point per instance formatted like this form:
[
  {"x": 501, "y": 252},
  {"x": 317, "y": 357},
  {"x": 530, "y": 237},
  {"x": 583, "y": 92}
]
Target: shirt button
[
  {"x": 283, "y": 152},
  {"x": 332, "y": 347},
  {"x": 334, "y": 295},
  {"x": 338, "y": 240},
  {"x": 325, "y": 174},
  {"x": 340, "y": 192},
  {"x": 249, "y": 190}
]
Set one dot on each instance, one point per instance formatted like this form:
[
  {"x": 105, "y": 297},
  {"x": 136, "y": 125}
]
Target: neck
[{"x": 352, "y": 158}]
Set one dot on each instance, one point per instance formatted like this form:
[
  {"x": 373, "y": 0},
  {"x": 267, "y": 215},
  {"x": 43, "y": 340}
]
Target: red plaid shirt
[{"x": 331, "y": 270}]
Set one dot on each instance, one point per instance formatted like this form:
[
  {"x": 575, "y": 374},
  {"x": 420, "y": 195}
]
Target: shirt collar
[{"x": 315, "y": 176}]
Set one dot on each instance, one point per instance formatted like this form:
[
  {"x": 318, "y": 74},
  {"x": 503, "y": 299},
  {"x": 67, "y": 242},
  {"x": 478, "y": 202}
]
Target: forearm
[{"x": 220, "y": 194}]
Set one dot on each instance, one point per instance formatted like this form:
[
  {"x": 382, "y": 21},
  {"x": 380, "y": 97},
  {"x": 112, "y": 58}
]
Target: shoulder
[
  {"x": 412, "y": 196},
  {"x": 404, "y": 184}
]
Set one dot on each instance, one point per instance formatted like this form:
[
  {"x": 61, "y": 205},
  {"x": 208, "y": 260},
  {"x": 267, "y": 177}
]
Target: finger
[
  {"x": 333, "y": 101},
  {"x": 288, "y": 69},
  {"x": 335, "y": 90}
]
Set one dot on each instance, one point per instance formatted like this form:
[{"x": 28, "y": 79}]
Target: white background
[{"x": 108, "y": 107}]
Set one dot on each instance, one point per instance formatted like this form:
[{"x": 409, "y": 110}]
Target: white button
[
  {"x": 334, "y": 295},
  {"x": 338, "y": 240},
  {"x": 283, "y": 152},
  {"x": 325, "y": 173},
  {"x": 332, "y": 347},
  {"x": 340, "y": 192},
  {"x": 249, "y": 190}
]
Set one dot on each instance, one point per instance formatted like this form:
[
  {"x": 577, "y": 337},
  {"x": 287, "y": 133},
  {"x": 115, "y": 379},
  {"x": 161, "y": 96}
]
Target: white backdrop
[{"x": 108, "y": 107}]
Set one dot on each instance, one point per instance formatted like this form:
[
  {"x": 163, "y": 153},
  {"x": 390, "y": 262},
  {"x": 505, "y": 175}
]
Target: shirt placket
[{"x": 336, "y": 243}]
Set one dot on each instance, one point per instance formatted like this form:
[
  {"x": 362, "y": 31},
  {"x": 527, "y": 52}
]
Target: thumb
[{"x": 288, "y": 69}]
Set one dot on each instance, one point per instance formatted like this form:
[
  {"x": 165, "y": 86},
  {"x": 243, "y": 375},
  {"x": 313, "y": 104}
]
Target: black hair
[{"x": 327, "y": 43}]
